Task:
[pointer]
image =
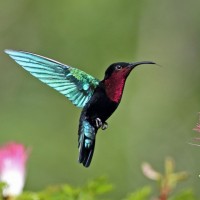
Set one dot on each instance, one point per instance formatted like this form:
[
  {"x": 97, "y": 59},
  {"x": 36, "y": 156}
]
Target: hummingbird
[{"x": 98, "y": 99}]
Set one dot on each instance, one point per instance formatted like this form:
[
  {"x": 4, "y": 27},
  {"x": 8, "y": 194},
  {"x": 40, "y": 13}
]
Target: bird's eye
[{"x": 118, "y": 67}]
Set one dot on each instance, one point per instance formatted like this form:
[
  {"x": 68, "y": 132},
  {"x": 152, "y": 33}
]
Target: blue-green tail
[{"x": 86, "y": 142}]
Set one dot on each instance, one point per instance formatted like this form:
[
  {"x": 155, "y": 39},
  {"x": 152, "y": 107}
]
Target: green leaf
[
  {"x": 90, "y": 191},
  {"x": 28, "y": 196},
  {"x": 99, "y": 186},
  {"x": 185, "y": 195},
  {"x": 142, "y": 194},
  {"x": 2, "y": 185}
]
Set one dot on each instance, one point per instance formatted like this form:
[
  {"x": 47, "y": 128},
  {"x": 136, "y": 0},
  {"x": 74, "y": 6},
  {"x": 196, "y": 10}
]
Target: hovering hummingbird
[{"x": 99, "y": 99}]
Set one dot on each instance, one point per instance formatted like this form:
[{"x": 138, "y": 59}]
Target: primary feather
[{"x": 75, "y": 84}]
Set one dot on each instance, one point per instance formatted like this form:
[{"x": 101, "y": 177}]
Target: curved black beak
[{"x": 132, "y": 65}]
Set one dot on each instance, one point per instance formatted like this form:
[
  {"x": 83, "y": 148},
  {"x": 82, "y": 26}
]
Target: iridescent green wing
[{"x": 75, "y": 84}]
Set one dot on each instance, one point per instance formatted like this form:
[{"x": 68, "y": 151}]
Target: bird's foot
[
  {"x": 98, "y": 122},
  {"x": 101, "y": 125},
  {"x": 104, "y": 126}
]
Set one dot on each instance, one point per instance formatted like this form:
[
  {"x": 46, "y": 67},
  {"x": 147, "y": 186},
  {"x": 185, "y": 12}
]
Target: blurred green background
[{"x": 159, "y": 107}]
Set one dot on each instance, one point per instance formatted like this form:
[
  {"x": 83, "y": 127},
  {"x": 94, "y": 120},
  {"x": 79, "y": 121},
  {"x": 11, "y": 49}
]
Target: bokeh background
[{"x": 159, "y": 107}]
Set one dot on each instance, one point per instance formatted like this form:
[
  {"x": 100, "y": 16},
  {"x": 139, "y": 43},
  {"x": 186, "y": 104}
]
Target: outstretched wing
[{"x": 75, "y": 84}]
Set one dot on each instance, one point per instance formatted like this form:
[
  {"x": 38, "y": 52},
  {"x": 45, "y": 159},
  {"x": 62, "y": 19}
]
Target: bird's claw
[
  {"x": 104, "y": 126},
  {"x": 101, "y": 125},
  {"x": 98, "y": 122}
]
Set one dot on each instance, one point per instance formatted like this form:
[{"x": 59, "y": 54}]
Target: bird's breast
[{"x": 100, "y": 106}]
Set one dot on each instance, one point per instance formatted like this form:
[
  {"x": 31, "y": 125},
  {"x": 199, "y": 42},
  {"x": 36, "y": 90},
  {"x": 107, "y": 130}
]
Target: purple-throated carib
[{"x": 99, "y": 99}]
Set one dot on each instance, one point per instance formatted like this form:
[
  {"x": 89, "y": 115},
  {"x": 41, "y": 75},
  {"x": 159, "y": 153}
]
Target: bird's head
[
  {"x": 115, "y": 78},
  {"x": 122, "y": 69}
]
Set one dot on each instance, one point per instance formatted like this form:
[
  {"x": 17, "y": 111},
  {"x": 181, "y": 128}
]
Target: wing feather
[{"x": 75, "y": 84}]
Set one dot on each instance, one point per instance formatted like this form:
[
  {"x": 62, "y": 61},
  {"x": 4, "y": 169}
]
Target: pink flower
[
  {"x": 13, "y": 157},
  {"x": 149, "y": 172},
  {"x": 197, "y": 128}
]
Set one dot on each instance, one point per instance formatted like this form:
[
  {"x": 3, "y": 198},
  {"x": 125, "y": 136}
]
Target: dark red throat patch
[{"x": 114, "y": 85}]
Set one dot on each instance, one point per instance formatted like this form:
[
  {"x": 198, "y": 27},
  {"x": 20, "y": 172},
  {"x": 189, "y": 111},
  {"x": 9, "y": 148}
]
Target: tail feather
[
  {"x": 87, "y": 134},
  {"x": 86, "y": 154}
]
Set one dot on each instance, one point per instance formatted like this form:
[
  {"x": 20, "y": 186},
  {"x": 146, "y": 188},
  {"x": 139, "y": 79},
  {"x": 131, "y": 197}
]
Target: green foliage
[
  {"x": 91, "y": 191},
  {"x": 2, "y": 185},
  {"x": 167, "y": 181},
  {"x": 97, "y": 188},
  {"x": 141, "y": 194},
  {"x": 185, "y": 195}
]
